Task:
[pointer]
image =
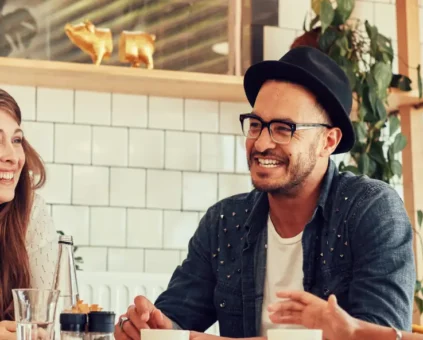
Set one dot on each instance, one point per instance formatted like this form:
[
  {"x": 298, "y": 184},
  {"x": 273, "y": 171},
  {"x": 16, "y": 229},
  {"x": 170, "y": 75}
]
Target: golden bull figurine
[
  {"x": 137, "y": 48},
  {"x": 97, "y": 42}
]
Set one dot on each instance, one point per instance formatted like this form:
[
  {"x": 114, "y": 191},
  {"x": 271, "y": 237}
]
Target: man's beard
[{"x": 296, "y": 174}]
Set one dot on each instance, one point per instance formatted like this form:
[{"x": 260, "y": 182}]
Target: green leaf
[
  {"x": 419, "y": 217},
  {"x": 343, "y": 11},
  {"x": 419, "y": 303},
  {"x": 372, "y": 32},
  {"x": 376, "y": 153},
  {"x": 360, "y": 131},
  {"x": 315, "y": 5},
  {"x": 382, "y": 74},
  {"x": 314, "y": 21},
  {"x": 327, "y": 39},
  {"x": 326, "y": 14},
  {"x": 394, "y": 124},
  {"x": 304, "y": 23},
  {"x": 399, "y": 143},
  {"x": 343, "y": 45},
  {"x": 352, "y": 169},
  {"x": 384, "y": 51},
  {"x": 396, "y": 167},
  {"x": 364, "y": 164},
  {"x": 381, "y": 110},
  {"x": 418, "y": 286},
  {"x": 419, "y": 81}
]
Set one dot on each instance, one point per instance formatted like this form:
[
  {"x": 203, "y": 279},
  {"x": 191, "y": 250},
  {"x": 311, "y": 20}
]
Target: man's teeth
[
  {"x": 6, "y": 175},
  {"x": 268, "y": 163}
]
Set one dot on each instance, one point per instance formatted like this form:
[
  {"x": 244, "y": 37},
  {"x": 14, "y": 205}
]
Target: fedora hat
[{"x": 317, "y": 72}]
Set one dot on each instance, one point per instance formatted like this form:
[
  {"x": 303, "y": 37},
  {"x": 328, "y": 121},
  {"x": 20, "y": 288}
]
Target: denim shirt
[{"x": 357, "y": 245}]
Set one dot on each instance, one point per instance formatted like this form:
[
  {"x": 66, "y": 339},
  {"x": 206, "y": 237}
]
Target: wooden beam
[{"x": 411, "y": 119}]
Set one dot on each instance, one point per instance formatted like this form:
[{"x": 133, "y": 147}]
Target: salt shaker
[
  {"x": 73, "y": 326},
  {"x": 101, "y": 326}
]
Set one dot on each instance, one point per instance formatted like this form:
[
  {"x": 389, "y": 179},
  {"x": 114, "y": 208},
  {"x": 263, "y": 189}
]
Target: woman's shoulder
[{"x": 41, "y": 228}]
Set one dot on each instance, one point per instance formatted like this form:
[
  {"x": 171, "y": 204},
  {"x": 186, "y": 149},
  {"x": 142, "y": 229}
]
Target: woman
[
  {"x": 302, "y": 308},
  {"x": 28, "y": 240}
]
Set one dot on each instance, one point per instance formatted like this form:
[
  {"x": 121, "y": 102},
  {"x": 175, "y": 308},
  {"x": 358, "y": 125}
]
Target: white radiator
[{"x": 116, "y": 291}]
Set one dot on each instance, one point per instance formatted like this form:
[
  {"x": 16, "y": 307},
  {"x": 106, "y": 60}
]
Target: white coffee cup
[
  {"x": 294, "y": 334},
  {"x": 164, "y": 334}
]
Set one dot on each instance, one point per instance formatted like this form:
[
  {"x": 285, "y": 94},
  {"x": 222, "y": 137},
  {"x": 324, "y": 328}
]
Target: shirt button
[
  {"x": 325, "y": 291},
  {"x": 223, "y": 304}
]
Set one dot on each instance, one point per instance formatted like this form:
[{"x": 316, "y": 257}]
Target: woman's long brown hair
[{"x": 14, "y": 218}]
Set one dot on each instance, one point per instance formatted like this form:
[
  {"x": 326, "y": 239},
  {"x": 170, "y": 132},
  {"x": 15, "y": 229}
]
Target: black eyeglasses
[{"x": 280, "y": 131}]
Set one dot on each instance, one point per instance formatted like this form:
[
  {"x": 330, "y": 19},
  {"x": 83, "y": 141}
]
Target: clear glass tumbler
[{"x": 35, "y": 312}]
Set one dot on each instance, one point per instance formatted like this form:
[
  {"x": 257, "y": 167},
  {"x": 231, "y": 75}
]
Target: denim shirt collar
[{"x": 259, "y": 213}]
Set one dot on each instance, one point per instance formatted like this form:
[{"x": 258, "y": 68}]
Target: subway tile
[
  {"x": 126, "y": 260},
  {"x": 72, "y": 144},
  {"x": 90, "y": 185},
  {"x": 164, "y": 189},
  {"x": 145, "y": 228},
  {"x": 25, "y": 96},
  {"x": 127, "y": 187},
  {"x": 57, "y": 188},
  {"x": 230, "y": 185},
  {"x": 161, "y": 261},
  {"x": 277, "y": 42},
  {"x": 195, "y": 199},
  {"x": 92, "y": 107},
  {"x": 108, "y": 226},
  {"x": 146, "y": 148},
  {"x": 110, "y": 146},
  {"x": 201, "y": 115},
  {"x": 166, "y": 113},
  {"x": 55, "y": 105},
  {"x": 95, "y": 258},
  {"x": 129, "y": 110},
  {"x": 41, "y": 137},
  {"x": 179, "y": 227},
  {"x": 73, "y": 220},
  {"x": 386, "y": 20},
  {"x": 292, "y": 13},
  {"x": 217, "y": 153},
  {"x": 229, "y": 116},
  {"x": 241, "y": 165},
  {"x": 182, "y": 150}
]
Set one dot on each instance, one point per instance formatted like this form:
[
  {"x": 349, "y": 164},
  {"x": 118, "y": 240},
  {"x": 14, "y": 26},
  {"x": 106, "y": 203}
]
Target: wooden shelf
[{"x": 123, "y": 79}]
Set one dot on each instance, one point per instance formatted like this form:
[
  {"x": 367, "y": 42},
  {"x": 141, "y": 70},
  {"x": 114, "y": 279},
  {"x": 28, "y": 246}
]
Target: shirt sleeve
[{"x": 42, "y": 245}]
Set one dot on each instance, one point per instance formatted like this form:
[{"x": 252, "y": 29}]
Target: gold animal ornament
[
  {"x": 137, "y": 48},
  {"x": 97, "y": 42}
]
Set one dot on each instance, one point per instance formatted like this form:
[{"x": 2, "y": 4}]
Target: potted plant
[{"x": 366, "y": 56}]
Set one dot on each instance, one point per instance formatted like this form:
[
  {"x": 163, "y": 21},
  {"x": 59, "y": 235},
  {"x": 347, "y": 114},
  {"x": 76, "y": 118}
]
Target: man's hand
[
  {"x": 302, "y": 308},
  {"x": 142, "y": 315}
]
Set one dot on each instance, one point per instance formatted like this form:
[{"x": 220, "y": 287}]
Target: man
[{"x": 304, "y": 226}]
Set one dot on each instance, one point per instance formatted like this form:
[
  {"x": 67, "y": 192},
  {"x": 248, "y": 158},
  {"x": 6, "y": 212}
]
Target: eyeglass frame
[{"x": 294, "y": 126}]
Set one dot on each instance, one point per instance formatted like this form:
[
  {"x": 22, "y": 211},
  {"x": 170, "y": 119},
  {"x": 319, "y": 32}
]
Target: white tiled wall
[{"x": 130, "y": 176}]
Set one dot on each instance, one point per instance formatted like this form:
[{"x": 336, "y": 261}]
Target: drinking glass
[{"x": 35, "y": 312}]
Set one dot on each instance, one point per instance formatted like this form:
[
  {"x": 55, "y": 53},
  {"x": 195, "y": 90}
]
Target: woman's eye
[{"x": 17, "y": 140}]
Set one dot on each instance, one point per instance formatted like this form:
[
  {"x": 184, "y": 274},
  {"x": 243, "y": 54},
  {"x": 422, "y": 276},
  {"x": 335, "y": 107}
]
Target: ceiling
[{"x": 186, "y": 30}]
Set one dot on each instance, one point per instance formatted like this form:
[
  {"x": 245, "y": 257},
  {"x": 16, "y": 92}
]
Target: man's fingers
[
  {"x": 291, "y": 320},
  {"x": 143, "y": 306},
  {"x": 298, "y": 296},
  {"x": 136, "y": 318},
  {"x": 119, "y": 334},
  {"x": 131, "y": 331},
  {"x": 282, "y": 306},
  {"x": 9, "y": 325}
]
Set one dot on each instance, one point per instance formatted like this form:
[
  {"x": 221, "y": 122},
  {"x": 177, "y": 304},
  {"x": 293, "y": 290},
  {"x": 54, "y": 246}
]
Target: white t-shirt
[
  {"x": 42, "y": 245},
  {"x": 284, "y": 271}
]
